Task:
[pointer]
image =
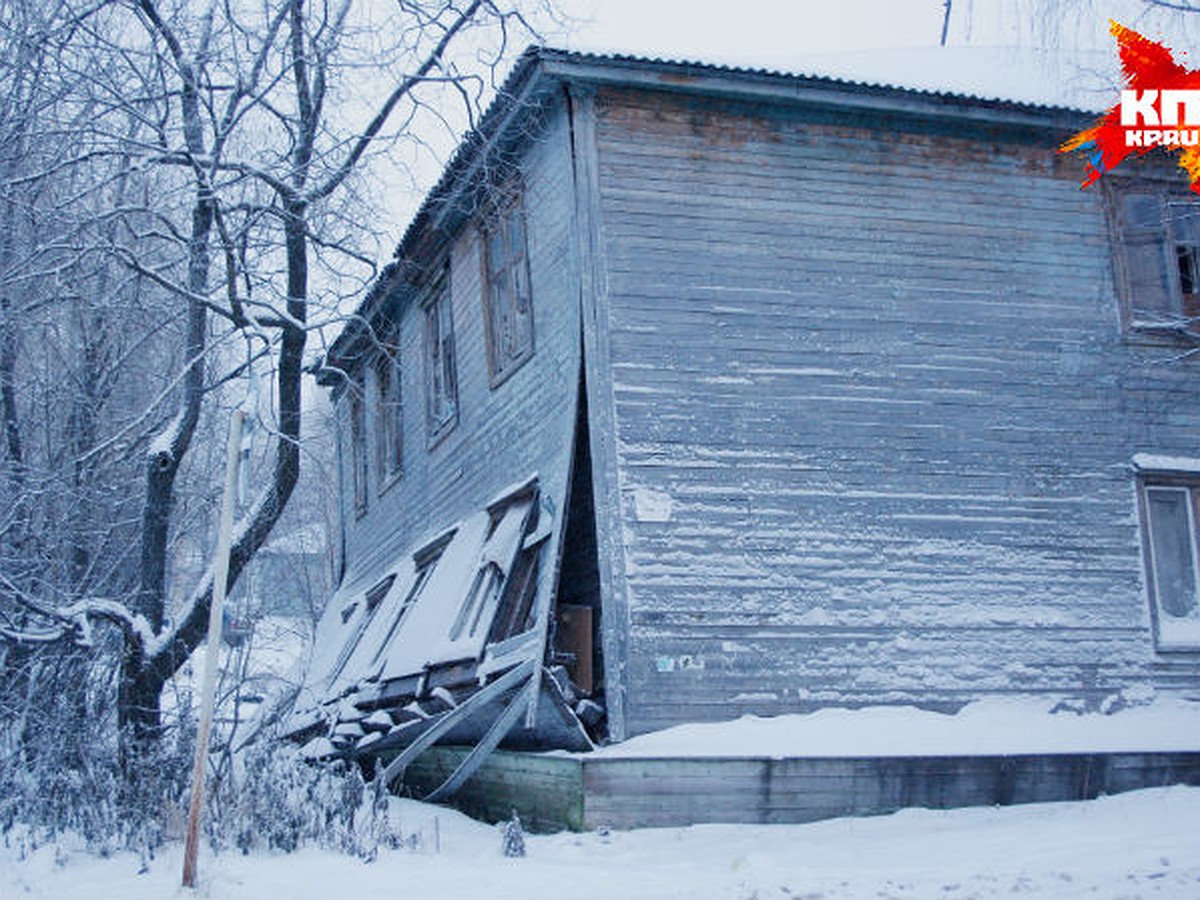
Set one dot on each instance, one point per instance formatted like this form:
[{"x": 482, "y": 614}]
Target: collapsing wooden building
[{"x": 695, "y": 392}]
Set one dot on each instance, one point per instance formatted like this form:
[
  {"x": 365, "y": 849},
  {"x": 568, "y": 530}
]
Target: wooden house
[{"x": 695, "y": 392}]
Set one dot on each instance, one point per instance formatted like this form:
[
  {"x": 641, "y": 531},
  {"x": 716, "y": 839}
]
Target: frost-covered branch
[{"x": 72, "y": 621}]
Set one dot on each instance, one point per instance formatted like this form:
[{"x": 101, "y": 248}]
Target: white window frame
[{"x": 1172, "y": 632}]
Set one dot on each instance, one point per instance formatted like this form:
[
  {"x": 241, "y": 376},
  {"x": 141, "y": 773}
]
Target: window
[
  {"x": 373, "y": 598},
  {"x": 389, "y": 433},
  {"x": 508, "y": 305},
  {"x": 358, "y": 448},
  {"x": 482, "y": 598},
  {"x": 440, "y": 374},
  {"x": 425, "y": 562},
  {"x": 1170, "y": 511},
  {"x": 1159, "y": 230}
]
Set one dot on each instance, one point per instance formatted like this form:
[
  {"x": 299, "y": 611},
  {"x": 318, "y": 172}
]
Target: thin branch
[{"x": 405, "y": 87}]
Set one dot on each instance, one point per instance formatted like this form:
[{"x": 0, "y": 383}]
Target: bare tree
[{"x": 216, "y": 152}]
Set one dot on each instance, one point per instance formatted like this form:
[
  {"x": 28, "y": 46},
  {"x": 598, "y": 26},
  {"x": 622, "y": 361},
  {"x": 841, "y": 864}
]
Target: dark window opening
[
  {"x": 358, "y": 448},
  {"x": 1187, "y": 269},
  {"x": 515, "y": 613},
  {"x": 376, "y": 594},
  {"x": 441, "y": 378},
  {"x": 389, "y": 432},
  {"x": 485, "y": 591},
  {"x": 507, "y": 298}
]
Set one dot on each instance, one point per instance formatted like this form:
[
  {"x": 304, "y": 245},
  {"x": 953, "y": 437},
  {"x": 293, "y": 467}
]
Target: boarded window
[
  {"x": 440, "y": 373},
  {"x": 1172, "y": 541},
  {"x": 358, "y": 448},
  {"x": 389, "y": 433},
  {"x": 1159, "y": 230},
  {"x": 507, "y": 299}
]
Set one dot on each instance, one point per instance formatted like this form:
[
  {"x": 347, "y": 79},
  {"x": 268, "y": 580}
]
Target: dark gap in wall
[{"x": 577, "y": 633}]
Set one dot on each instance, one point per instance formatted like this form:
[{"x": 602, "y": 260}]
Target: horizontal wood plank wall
[
  {"x": 546, "y": 791},
  {"x": 577, "y": 792},
  {"x": 874, "y": 416},
  {"x": 659, "y": 792},
  {"x": 505, "y": 434}
]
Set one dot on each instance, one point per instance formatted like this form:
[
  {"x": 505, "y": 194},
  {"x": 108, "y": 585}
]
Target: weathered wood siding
[
  {"x": 874, "y": 415},
  {"x": 580, "y": 792},
  {"x": 506, "y": 434}
]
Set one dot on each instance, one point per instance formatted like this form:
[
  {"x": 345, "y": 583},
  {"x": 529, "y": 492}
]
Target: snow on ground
[
  {"x": 1142, "y": 844},
  {"x": 998, "y": 726}
]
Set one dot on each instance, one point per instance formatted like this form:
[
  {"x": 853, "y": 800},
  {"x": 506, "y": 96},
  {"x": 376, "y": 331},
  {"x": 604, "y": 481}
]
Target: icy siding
[
  {"x": 875, "y": 417},
  {"x": 504, "y": 434}
]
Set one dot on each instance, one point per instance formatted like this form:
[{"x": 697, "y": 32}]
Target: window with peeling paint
[
  {"x": 389, "y": 416},
  {"x": 358, "y": 447},
  {"x": 1170, "y": 517},
  {"x": 441, "y": 377},
  {"x": 1158, "y": 231},
  {"x": 507, "y": 298}
]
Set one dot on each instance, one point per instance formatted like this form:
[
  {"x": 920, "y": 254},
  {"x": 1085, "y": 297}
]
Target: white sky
[
  {"x": 784, "y": 33},
  {"x": 1041, "y": 51},
  {"x": 1020, "y": 49}
]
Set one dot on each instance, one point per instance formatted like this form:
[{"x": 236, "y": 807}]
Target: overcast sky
[
  {"x": 1040, "y": 51},
  {"x": 1022, "y": 49},
  {"x": 783, "y": 31}
]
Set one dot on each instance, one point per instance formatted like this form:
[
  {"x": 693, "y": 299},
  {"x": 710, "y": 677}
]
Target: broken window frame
[
  {"x": 373, "y": 598},
  {"x": 485, "y": 593},
  {"x": 425, "y": 561},
  {"x": 1157, "y": 253},
  {"x": 1175, "y": 611},
  {"x": 441, "y": 375},
  {"x": 507, "y": 289},
  {"x": 389, "y": 419}
]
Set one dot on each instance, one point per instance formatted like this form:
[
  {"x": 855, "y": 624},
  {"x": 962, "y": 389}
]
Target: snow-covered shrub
[
  {"x": 68, "y": 777},
  {"x": 278, "y": 801},
  {"x": 512, "y": 837},
  {"x": 60, "y": 770}
]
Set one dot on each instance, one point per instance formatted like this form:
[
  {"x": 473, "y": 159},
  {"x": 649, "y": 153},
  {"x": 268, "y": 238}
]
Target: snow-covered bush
[
  {"x": 512, "y": 837},
  {"x": 275, "y": 800},
  {"x": 61, "y": 771}
]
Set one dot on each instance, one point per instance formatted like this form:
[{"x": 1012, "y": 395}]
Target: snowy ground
[
  {"x": 1143, "y": 844},
  {"x": 996, "y": 726}
]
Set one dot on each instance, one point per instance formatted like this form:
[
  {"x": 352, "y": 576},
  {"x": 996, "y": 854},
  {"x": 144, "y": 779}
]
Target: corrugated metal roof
[{"x": 685, "y": 66}]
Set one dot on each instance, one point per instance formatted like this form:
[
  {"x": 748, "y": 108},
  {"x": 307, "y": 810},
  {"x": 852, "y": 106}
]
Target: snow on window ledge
[{"x": 1153, "y": 462}]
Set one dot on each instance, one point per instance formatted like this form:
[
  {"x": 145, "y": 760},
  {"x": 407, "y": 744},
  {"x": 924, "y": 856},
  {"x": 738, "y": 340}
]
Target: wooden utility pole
[{"x": 213, "y": 649}]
